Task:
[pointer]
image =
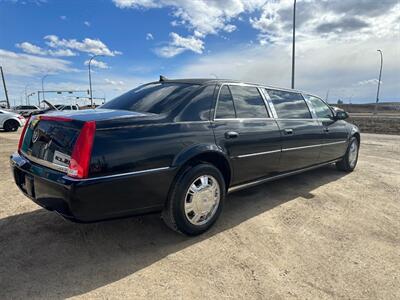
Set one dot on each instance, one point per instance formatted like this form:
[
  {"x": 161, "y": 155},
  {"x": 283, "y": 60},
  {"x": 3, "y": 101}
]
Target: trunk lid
[{"x": 50, "y": 139}]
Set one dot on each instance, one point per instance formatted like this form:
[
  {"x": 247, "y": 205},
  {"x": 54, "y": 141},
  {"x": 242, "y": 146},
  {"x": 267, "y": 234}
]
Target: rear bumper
[{"x": 93, "y": 199}]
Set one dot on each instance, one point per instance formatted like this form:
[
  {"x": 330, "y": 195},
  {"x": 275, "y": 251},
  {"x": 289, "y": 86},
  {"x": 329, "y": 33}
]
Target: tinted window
[
  {"x": 225, "y": 107},
  {"x": 321, "y": 109},
  {"x": 289, "y": 105},
  {"x": 198, "y": 109},
  {"x": 154, "y": 98},
  {"x": 248, "y": 102}
]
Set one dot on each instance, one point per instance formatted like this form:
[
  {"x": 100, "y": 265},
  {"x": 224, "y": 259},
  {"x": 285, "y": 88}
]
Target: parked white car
[
  {"x": 25, "y": 110},
  {"x": 10, "y": 121}
]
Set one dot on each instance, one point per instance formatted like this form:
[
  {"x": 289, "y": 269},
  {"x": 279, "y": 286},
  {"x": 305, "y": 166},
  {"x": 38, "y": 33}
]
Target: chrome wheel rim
[
  {"x": 202, "y": 200},
  {"x": 353, "y": 152}
]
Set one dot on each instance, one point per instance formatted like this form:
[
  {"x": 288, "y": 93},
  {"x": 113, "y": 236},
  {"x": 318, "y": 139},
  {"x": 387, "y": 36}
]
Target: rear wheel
[
  {"x": 11, "y": 125},
  {"x": 196, "y": 200},
  {"x": 349, "y": 160}
]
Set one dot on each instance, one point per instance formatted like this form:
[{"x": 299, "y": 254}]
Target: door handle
[
  {"x": 231, "y": 134},
  {"x": 326, "y": 129},
  {"x": 288, "y": 131}
]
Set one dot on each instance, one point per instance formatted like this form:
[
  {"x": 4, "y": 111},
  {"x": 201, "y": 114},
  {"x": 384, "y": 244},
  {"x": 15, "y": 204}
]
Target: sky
[{"x": 248, "y": 40}]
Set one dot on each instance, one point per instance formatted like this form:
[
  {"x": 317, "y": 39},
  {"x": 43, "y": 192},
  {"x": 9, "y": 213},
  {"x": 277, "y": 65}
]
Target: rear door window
[
  {"x": 225, "y": 106},
  {"x": 289, "y": 105},
  {"x": 248, "y": 102}
]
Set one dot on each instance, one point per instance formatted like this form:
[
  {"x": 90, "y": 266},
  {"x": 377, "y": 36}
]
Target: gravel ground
[{"x": 322, "y": 234}]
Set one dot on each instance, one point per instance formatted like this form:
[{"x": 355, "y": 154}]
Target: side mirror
[{"x": 340, "y": 114}]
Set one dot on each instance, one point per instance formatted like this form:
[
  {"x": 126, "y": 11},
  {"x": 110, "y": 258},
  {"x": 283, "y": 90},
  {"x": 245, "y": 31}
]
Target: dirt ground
[{"x": 322, "y": 234}]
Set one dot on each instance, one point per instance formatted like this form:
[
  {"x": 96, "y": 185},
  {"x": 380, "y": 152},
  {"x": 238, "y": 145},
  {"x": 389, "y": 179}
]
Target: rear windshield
[{"x": 153, "y": 98}]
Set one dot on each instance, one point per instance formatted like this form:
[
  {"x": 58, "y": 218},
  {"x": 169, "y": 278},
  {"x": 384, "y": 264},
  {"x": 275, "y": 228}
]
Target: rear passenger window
[
  {"x": 248, "y": 102},
  {"x": 225, "y": 107},
  {"x": 289, "y": 105},
  {"x": 198, "y": 109}
]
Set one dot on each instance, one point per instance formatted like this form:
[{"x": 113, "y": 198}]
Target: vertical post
[
  {"x": 379, "y": 84},
  {"x": 43, "y": 78},
  {"x": 90, "y": 84},
  {"x": 294, "y": 43},
  {"x": 38, "y": 98},
  {"x": 90, "y": 78},
  {"x": 5, "y": 88}
]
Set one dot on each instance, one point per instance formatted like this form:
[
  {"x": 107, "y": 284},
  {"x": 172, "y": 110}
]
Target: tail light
[
  {"x": 81, "y": 154},
  {"x": 21, "y": 138}
]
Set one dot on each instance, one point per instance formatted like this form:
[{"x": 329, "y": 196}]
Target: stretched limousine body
[{"x": 177, "y": 147}]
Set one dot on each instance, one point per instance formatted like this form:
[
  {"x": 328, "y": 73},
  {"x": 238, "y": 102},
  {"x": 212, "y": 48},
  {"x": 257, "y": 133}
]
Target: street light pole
[
  {"x": 379, "y": 83},
  {"x": 43, "y": 78},
  {"x": 294, "y": 42},
  {"x": 26, "y": 95},
  {"x": 90, "y": 79},
  {"x": 5, "y": 87}
]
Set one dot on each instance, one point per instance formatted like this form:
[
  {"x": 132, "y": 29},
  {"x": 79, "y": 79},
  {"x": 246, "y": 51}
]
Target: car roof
[{"x": 204, "y": 81}]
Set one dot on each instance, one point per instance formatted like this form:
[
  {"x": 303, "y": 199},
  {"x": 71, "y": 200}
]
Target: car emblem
[{"x": 35, "y": 135}]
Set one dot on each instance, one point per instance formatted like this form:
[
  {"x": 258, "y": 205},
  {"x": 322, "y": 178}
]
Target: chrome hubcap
[
  {"x": 353, "y": 152},
  {"x": 202, "y": 199}
]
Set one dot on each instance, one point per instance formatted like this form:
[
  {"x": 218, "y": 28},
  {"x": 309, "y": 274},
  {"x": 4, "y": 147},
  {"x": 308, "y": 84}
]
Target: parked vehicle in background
[
  {"x": 25, "y": 110},
  {"x": 177, "y": 147},
  {"x": 45, "y": 107},
  {"x": 10, "y": 121},
  {"x": 67, "y": 107}
]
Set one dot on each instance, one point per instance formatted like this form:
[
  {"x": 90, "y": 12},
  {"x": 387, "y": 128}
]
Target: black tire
[
  {"x": 174, "y": 214},
  {"x": 11, "y": 125},
  {"x": 347, "y": 164}
]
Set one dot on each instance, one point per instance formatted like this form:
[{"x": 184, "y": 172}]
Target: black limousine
[{"x": 177, "y": 147}]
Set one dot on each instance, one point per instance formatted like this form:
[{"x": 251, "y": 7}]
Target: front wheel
[
  {"x": 349, "y": 160},
  {"x": 11, "y": 125},
  {"x": 196, "y": 200}
]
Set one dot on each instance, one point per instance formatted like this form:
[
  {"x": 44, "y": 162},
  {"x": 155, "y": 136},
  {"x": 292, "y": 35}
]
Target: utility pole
[
  {"x": 294, "y": 43},
  {"x": 327, "y": 96},
  {"x": 43, "y": 78},
  {"x": 379, "y": 83},
  {"x": 90, "y": 79},
  {"x": 5, "y": 87}
]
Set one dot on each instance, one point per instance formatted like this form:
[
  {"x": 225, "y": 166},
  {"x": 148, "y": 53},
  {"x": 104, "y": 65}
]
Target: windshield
[{"x": 153, "y": 98}]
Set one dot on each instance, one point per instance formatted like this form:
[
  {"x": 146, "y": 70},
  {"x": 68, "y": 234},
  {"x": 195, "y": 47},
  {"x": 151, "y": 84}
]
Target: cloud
[
  {"x": 230, "y": 28},
  {"x": 179, "y": 44},
  {"x": 92, "y": 46},
  {"x": 149, "y": 36},
  {"x": 345, "y": 24},
  {"x": 18, "y": 64},
  {"x": 30, "y": 48},
  {"x": 87, "y": 23},
  {"x": 114, "y": 82},
  {"x": 97, "y": 63},
  {"x": 63, "y": 18},
  {"x": 33, "y": 49},
  {"x": 332, "y": 19},
  {"x": 205, "y": 17},
  {"x": 373, "y": 81}
]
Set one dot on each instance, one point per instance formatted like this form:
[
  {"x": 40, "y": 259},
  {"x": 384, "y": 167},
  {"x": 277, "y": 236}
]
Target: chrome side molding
[{"x": 289, "y": 149}]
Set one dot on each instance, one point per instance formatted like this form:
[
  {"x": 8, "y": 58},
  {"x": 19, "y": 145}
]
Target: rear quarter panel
[{"x": 142, "y": 147}]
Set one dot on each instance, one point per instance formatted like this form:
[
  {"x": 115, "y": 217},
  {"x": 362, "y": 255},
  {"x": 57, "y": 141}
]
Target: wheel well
[
  {"x": 215, "y": 159},
  {"x": 357, "y": 136}
]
